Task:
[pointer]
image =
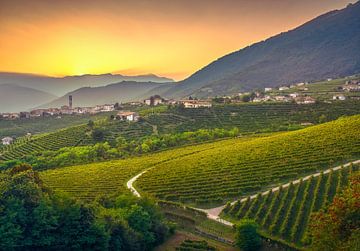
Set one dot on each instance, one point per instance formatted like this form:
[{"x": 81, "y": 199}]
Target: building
[
  {"x": 282, "y": 98},
  {"x": 196, "y": 103},
  {"x": 7, "y": 140},
  {"x": 294, "y": 95},
  {"x": 351, "y": 87},
  {"x": 129, "y": 116},
  {"x": 283, "y": 88},
  {"x": 305, "y": 100},
  {"x": 70, "y": 101},
  {"x": 24, "y": 115},
  {"x": 268, "y": 89},
  {"x": 339, "y": 97},
  {"x": 154, "y": 100}
]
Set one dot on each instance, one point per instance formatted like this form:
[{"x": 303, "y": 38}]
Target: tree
[
  {"x": 247, "y": 237},
  {"x": 90, "y": 124},
  {"x": 98, "y": 135},
  {"x": 338, "y": 228}
]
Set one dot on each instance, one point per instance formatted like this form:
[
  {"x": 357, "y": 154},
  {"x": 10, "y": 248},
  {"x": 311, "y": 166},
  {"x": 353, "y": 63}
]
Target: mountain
[
  {"x": 119, "y": 92},
  {"x": 15, "y": 98},
  {"x": 325, "y": 47},
  {"x": 60, "y": 86}
]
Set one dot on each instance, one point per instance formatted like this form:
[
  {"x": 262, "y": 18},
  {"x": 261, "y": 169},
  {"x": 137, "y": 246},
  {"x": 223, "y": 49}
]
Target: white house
[
  {"x": 294, "y": 95},
  {"x": 268, "y": 89},
  {"x": 7, "y": 140},
  {"x": 196, "y": 103},
  {"x": 129, "y": 116},
  {"x": 305, "y": 100},
  {"x": 283, "y": 88}
]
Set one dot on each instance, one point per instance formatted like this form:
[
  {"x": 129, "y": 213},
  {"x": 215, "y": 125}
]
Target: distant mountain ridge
[
  {"x": 15, "y": 98},
  {"x": 325, "y": 47},
  {"x": 60, "y": 85},
  {"x": 118, "y": 92}
]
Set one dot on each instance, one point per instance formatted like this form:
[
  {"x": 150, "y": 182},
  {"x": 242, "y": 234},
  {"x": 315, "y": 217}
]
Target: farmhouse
[
  {"x": 305, "y": 100},
  {"x": 7, "y": 140},
  {"x": 196, "y": 103},
  {"x": 268, "y": 89},
  {"x": 129, "y": 116}
]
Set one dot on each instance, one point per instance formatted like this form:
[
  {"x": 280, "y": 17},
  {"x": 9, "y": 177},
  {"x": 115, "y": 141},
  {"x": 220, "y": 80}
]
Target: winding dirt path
[{"x": 213, "y": 213}]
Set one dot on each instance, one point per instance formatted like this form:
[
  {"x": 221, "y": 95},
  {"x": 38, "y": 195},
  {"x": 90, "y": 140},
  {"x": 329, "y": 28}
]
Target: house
[
  {"x": 294, "y": 95},
  {"x": 351, "y": 87},
  {"x": 300, "y": 84},
  {"x": 282, "y": 98},
  {"x": 305, "y": 100},
  {"x": 268, "y": 89},
  {"x": 339, "y": 97},
  {"x": 283, "y": 88},
  {"x": 154, "y": 100},
  {"x": 7, "y": 140},
  {"x": 126, "y": 115},
  {"x": 24, "y": 115},
  {"x": 196, "y": 103}
]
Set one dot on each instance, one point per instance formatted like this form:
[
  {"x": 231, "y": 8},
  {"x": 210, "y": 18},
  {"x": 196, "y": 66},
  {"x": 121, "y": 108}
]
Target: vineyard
[
  {"x": 252, "y": 117},
  {"x": 236, "y": 168},
  {"x": 20, "y": 127},
  {"x": 71, "y": 136},
  {"x": 285, "y": 214},
  {"x": 249, "y": 118},
  {"x": 92, "y": 180},
  {"x": 190, "y": 245},
  {"x": 323, "y": 90}
]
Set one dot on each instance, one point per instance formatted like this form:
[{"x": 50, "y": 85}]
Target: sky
[{"x": 168, "y": 38}]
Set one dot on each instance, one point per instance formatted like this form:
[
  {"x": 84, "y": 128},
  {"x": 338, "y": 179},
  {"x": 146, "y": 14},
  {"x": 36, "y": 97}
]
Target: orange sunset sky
[{"x": 169, "y": 38}]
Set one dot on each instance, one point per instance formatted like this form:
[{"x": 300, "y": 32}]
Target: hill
[
  {"x": 325, "y": 47},
  {"x": 248, "y": 118},
  {"x": 214, "y": 172},
  {"x": 119, "y": 92},
  {"x": 233, "y": 168},
  {"x": 286, "y": 213},
  {"x": 60, "y": 85},
  {"x": 14, "y": 98}
]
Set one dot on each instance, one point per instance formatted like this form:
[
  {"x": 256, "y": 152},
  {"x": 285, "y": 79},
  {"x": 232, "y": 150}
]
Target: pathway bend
[{"x": 213, "y": 213}]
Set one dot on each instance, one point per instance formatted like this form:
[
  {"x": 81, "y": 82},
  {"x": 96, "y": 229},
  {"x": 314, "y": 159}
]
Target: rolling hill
[
  {"x": 325, "y": 47},
  {"x": 60, "y": 85},
  {"x": 213, "y": 172},
  {"x": 15, "y": 98},
  {"x": 119, "y": 92}
]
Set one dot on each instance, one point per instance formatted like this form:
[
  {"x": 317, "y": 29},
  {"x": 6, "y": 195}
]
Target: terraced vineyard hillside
[
  {"x": 265, "y": 117},
  {"x": 104, "y": 178},
  {"x": 218, "y": 171},
  {"x": 285, "y": 214},
  {"x": 324, "y": 90},
  {"x": 249, "y": 118},
  {"x": 72, "y": 136},
  {"x": 238, "y": 168}
]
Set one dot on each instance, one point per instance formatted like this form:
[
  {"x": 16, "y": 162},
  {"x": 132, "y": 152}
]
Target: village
[{"x": 268, "y": 94}]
